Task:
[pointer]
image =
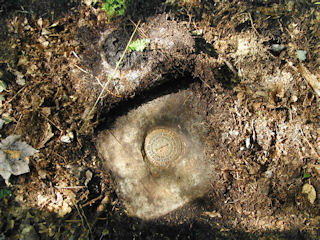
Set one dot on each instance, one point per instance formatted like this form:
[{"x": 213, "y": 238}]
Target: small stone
[
  {"x": 294, "y": 98},
  {"x": 301, "y": 55},
  {"x": 88, "y": 2},
  {"x": 45, "y": 44},
  {"x": 213, "y": 214},
  {"x": 65, "y": 209},
  {"x": 309, "y": 190},
  {"x": 40, "y": 22},
  {"x": 42, "y": 174},
  {"x": 67, "y": 138},
  {"x": 248, "y": 144},
  {"x": 277, "y": 47},
  {"x": 317, "y": 169}
]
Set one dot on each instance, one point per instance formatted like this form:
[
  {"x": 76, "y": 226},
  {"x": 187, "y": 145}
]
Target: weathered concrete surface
[{"x": 146, "y": 193}]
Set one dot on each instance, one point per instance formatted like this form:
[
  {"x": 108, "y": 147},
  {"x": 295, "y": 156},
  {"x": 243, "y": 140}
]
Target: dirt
[{"x": 239, "y": 58}]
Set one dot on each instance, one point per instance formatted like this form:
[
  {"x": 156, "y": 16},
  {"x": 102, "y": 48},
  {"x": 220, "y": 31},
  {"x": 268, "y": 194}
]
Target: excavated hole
[
  {"x": 149, "y": 188},
  {"x": 171, "y": 84}
]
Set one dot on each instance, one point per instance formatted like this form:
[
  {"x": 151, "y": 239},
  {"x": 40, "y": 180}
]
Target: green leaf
[
  {"x": 7, "y": 120},
  {"x": 4, "y": 193},
  {"x": 306, "y": 175},
  {"x": 115, "y": 7},
  {"x": 139, "y": 45},
  {"x": 1, "y": 98},
  {"x": 121, "y": 11},
  {"x": 3, "y": 86},
  {"x": 302, "y": 55}
]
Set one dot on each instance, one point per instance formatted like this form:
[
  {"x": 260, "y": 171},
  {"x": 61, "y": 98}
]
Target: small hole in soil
[
  {"x": 203, "y": 46},
  {"x": 94, "y": 187},
  {"x": 114, "y": 46},
  {"x": 49, "y": 102},
  {"x": 226, "y": 77},
  {"x": 60, "y": 28},
  {"x": 242, "y": 26}
]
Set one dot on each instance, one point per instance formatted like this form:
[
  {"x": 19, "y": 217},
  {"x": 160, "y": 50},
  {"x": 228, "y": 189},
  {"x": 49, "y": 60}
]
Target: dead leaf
[
  {"x": 19, "y": 78},
  {"x": 213, "y": 214},
  {"x": 14, "y": 157},
  {"x": 13, "y": 154},
  {"x": 47, "y": 135}
]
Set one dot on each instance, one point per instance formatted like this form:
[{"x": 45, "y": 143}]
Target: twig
[
  {"x": 81, "y": 69},
  {"x": 83, "y": 217},
  {"x": 10, "y": 100},
  {"x": 310, "y": 145},
  {"x": 50, "y": 121},
  {"x": 141, "y": 31},
  {"x": 252, "y": 25},
  {"x": 17, "y": 123},
  {"x": 98, "y": 80},
  {"x": 229, "y": 65},
  {"x": 72, "y": 220},
  {"x": 76, "y": 55},
  {"x": 91, "y": 201},
  {"x": 73, "y": 187},
  {"x": 207, "y": 84},
  {"x": 111, "y": 93},
  {"x": 63, "y": 158}
]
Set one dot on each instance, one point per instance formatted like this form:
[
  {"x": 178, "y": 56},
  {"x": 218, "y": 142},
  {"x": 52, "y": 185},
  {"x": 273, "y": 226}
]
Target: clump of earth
[{"x": 210, "y": 131}]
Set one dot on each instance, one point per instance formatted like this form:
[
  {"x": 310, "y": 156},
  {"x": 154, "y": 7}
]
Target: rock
[{"x": 309, "y": 190}]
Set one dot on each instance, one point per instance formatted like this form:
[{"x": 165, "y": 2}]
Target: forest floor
[{"x": 254, "y": 66}]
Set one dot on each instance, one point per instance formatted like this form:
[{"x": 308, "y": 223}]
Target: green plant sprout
[
  {"x": 305, "y": 175},
  {"x": 139, "y": 45},
  {"x": 4, "y": 193},
  {"x": 115, "y": 7}
]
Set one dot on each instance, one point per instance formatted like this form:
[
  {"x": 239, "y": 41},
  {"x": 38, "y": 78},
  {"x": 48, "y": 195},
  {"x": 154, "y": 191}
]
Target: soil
[{"x": 253, "y": 65}]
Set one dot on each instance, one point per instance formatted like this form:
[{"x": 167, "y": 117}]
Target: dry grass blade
[{"x": 114, "y": 72}]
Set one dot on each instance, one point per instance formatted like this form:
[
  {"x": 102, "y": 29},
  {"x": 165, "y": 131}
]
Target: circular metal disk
[{"x": 163, "y": 146}]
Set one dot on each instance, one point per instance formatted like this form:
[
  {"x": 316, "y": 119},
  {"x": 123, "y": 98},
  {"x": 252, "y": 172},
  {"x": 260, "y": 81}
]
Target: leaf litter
[
  {"x": 14, "y": 157},
  {"x": 264, "y": 128}
]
